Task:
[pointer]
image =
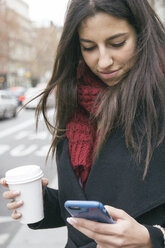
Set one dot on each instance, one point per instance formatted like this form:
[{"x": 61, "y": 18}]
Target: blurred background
[
  {"x": 27, "y": 46},
  {"x": 29, "y": 35}
]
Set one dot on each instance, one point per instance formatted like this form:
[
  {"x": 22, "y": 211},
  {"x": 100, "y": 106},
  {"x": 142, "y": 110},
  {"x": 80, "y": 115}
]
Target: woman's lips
[{"x": 108, "y": 75}]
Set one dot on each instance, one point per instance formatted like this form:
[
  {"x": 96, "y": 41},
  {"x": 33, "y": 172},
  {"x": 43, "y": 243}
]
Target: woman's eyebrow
[{"x": 110, "y": 38}]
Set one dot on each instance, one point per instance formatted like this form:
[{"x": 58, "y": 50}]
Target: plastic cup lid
[{"x": 23, "y": 174}]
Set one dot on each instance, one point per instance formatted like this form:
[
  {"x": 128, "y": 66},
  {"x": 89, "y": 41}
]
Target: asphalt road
[{"x": 21, "y": 145}]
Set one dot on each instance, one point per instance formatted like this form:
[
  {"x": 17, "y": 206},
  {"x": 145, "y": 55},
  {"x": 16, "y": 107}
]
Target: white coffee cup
[{"x": 27, "y": 180}]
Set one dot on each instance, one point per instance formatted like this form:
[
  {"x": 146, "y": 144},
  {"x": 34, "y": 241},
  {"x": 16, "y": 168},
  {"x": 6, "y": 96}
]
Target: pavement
[
  {"x": 46, "y": 238},
  {"x": 50, "y": 238}
]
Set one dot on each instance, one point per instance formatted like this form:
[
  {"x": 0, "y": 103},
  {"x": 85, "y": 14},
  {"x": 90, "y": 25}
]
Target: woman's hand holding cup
[{"x": 14, "y": 204}]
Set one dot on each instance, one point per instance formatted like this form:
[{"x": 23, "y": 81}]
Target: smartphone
[{"x": 91, "y": 210}]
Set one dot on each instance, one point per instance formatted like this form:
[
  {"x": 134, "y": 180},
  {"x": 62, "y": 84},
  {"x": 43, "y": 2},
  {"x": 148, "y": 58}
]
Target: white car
[
  {"x": 8, "y": 105},
  {"x": 32, "y": 93}
]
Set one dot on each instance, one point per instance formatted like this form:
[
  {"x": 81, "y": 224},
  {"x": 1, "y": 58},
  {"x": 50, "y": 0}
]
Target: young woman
[{"x": 109, "y": 133}]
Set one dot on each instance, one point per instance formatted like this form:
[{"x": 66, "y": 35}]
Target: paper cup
[{"x": 27, "y": 180}]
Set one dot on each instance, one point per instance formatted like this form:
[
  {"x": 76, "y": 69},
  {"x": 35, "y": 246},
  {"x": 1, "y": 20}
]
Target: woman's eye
[
  {"x": 119, "y": 44},
  {"x": 113, "y": 45},
  {"x": 88, "y": 48}
]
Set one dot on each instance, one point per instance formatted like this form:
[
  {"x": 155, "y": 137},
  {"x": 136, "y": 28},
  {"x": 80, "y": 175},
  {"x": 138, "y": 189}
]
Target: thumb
[
  {"x": 3, "y": 182},
  {"x": 117, "y": 213},
  {"x": 45, "y": 181}
]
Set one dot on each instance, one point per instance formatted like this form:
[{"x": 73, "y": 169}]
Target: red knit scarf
[{"x": 80, "y": 132}]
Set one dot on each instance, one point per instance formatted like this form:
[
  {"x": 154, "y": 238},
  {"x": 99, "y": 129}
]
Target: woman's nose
[{"x": 105, "y": 60}]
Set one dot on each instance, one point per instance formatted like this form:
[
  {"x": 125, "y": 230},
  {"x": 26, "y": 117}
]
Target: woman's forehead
[{"x": 103, "y": 24}]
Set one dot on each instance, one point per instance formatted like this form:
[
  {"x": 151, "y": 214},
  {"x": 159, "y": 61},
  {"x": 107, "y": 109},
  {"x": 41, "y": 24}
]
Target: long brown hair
[{"x": 137, "y": 103}]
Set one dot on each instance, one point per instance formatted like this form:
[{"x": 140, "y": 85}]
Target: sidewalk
[{"x": 50, "y": 238}]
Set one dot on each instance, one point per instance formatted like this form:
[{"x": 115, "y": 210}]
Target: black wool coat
[{"x": 115, "y": 179}]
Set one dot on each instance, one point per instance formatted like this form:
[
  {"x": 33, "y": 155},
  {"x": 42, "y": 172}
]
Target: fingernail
[
  {"x": 72, "y": 221},
  {"x": 19, "y": 202},
  {"x": 16, "y": 192},
  {"x": 18, "y": 214}
]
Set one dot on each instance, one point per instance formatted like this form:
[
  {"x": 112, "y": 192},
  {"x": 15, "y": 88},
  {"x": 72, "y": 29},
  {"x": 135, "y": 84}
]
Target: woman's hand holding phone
[
  {"x": 126, "y": 232},
  {"x": 12, "y": 195}
]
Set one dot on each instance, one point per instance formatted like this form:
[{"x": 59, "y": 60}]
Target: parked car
[
  {"x": 32, "y": 93},
  {"x": 18, "y": 93},
  {"x": 8, "y": 105}
]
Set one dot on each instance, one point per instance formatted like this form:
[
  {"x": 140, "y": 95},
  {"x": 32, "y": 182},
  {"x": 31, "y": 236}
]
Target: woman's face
[{"x": 108, "y": 45}]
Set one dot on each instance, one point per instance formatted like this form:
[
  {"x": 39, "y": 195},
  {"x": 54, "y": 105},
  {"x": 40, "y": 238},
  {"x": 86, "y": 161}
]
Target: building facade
[{"x": 15, "y": 37}]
